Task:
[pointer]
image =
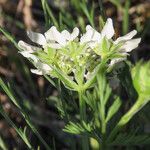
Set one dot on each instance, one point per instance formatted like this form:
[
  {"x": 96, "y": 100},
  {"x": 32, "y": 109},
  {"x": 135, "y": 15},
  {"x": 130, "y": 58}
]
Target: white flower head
[
  {"x": 92, "y": 45},
  {"x": 92, "y": 37},
  {"x": 70, "y": 36},
  {"x": 53, "y": 38}
]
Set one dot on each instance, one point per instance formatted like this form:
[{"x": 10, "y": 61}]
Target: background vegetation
[{"x": 31, "y": 95}]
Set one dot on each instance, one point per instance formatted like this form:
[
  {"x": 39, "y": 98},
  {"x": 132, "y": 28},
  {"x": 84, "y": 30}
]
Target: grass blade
[
  {"x": 2, "y": 144},
  {"x": 126, "y": 17},
  {"x": 9, "y": 37},
  {"x": 19, "y": 131},
  {"x": 8, "y": 91}
]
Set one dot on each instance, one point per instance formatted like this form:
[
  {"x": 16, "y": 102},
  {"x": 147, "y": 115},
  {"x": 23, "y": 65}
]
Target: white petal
[
  {"x": 36, "y": 37},
  {"x": 96, "y": 36},
  {"x": 86, "y": 37},
  {"x": 108, "y": 30},
  {"x": 55, "y": 45},
  {"x": 88, "y": 27},
  {"x": 65, "y": 34},
  {"x": 55, "y": 35},
  {"x": 116, "y": 60},
  {"x": 27, "y": 54},
  {"x": 36, "y": 71},
  {"x": 90, "y": 35},
  {"x": 126, "y": 37},
  {"x": 24, "y": 46},
  {"x": 59, "y": 38},
  {"x": 43, "y": 67},
  {"x": 92, "y": 44},
  {"x": 130, "y": 45},
  {"x": 74, "y": 34},
  {"x": 50, "y": 36}
]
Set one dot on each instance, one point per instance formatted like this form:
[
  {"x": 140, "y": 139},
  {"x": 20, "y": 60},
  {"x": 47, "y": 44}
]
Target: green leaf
[
  {"x": 78, "y": 128},
  {"x": 66, "y": 79},
  {"x": 141, "y": 80},
  {"x": 113, "y": 109},
  {"x": 137, "y": 106},
  {"x": 93, "y": 76},
  {"x": 79, "y": 75},
  {"x": 131, "y": 140},
  {"x": 89, "y": 100}
]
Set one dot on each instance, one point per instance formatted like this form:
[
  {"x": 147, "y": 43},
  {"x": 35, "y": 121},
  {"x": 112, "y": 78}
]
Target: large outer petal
[
  {"x": 41, "y": 68},
  {"x": 116, "y": 60},
  {"x": 54, "y": 35},
  {"x": 27, "y": 47},
  {"x": 126, "y": 37},
  {"x": 27, "y": 54},
  {"x": 108, "y": 30},
  {"x": 36, "y": 37},
  {"x": 66, "y": 34},
  {"x": 50, "y": 36},
  {"x": 74, "y": 34},
  {"x": 36, "y": 71},
  {"x": 91, "y": 35},
  {"x": 130, "y": 45}
]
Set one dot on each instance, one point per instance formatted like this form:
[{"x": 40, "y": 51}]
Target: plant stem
[
  {"x": 85, "y": 141},
  {"x": 101, "y": 105},
  {"x": 103, "y": 127}
]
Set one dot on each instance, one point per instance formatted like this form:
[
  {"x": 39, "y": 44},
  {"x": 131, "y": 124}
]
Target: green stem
[
  {"x": 101, "y": 79},
  {"x": 103, "y": 122},
  {"x": 82, "y": 105},
  {"x": 127, "y": 117}
]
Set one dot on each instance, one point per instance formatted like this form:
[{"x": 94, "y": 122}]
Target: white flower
[
  {"x": 108, "y": 30},
  {"x": 99, "y": 44},
  {"x": 26, "y": 47},
  {"x": 126, "y": 37},
  {"x": 41, "y": 68},
  {"x": 28, "y": 50},
  {"x": 70, "y": 36},
  {"x": 128, "y": 45},
  {"x": 92, "y": 37},
  {"x": 53, "y": 38}
]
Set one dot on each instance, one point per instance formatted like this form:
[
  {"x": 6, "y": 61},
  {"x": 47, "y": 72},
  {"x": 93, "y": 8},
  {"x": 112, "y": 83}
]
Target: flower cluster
[{"x": 74, "y": 55}]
